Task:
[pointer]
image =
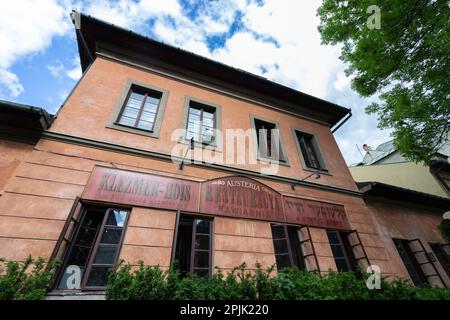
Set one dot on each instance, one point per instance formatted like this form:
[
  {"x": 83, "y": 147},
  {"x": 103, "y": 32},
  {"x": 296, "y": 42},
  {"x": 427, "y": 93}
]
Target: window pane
[
  {"x": 208, "y": 122},
  {"x": 86, "y": 236},
  {"x": 337, "y": 251},
  {"x": 145, "y": 125},
  {"x": 201, "y": 272},
  {"x": 136, "y": 96},
  {"x": 127, "y": 121},
  {"x": 341, "y": 264},
  {"x": 194, "y": 112},
  {"x": 79, "y": 256},
  {"x": 148, "y": 107},
  {"x": 191, "y": 134},
  {"x": 130, "y": 112},
  {"x": 111, "y": 236},
  {"x": 280, "y": 246},
  {"x": 202, "y": 226},
  {"x": 282, "y": 261},
  {"x": 98, "y": 277},
  {"x": 202, "y": 242},
  {"x": 278, "y": 232},
  {"x": 201, "y": 259},
  {"x": 308, "y": 150},
  {"x": 147, "y": 116},
  {"x": 93, "y": 218},
  {"x": 208, "y": 116},
  {"x": 105, "y": 255},
  {"x": 184, "y": 245},
  {"x": 152, "y": 100},
  {"x": 116, "y": 218},
  {"x": 333, "y": 237}
]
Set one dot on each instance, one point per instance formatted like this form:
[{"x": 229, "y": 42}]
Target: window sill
[
  {"x": 141, "y": 132},
  {"x": 198, "y": 144},
  {"x": 321, "y": 171},
  {"x": 272, "y": 161}
]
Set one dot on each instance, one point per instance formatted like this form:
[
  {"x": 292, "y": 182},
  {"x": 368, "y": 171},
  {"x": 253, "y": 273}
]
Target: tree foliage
[{"x": 406, "y": 61}]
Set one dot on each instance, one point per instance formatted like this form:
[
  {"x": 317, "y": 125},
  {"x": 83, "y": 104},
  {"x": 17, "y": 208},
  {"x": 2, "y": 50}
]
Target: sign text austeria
[{"x": 241, "y": 197}]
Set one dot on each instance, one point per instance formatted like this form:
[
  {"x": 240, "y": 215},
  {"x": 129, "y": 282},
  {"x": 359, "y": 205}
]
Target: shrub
[
  {"x": 28, "y": 280},
  {"x": 445, "y": 229},
  {"x": 150, "y": 283}
]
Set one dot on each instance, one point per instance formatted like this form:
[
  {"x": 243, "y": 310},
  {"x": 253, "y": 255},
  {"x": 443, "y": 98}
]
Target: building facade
[
  {"x": 112, "y": 178},
  {"x": 407, "y": 201}
]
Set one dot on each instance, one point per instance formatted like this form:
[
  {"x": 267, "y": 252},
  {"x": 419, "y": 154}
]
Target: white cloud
[
  {"x": 279, "y": 40},
  {"x": 341, "y": 81},
  {"x": 11, "y": 82},
  {"x": 56, "y": 69},
  {"x": 27, "y": 28},
  {"x": 74, "y": 72}
]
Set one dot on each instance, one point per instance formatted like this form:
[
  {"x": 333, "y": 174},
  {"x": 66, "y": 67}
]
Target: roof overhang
[
  {"x": 387, "y": 191},
  {"x": 94, "y": 35},
  {"x": 22, "y": 123}
]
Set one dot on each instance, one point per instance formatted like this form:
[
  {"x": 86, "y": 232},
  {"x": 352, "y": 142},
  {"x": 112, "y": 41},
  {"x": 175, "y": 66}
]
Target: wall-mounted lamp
[
  {"x": 191, "y": 146},
  {"x": 316, "y": 173}
]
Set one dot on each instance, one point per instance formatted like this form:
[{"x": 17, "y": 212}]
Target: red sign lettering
[
  {"x": 241, "y": 197},
  {"x": 235, "y": 196},
  {"x": 133, "y": 188}
]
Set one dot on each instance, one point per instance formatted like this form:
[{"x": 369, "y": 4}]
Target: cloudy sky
[{"x": 277, "y": 39}]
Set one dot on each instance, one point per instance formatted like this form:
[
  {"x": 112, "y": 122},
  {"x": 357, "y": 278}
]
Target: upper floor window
[
  {"x": 309, "y": 150},
  {"x": 201, "y": 123},
  {"x": 268, "y": 139},
  {"x": 140, "y": 109}
]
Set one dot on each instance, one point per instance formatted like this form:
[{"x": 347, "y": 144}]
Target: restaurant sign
[
  {"x": 315, "y": 213},
  {"x": 241, "y": 197},
  {"x": 140, "y": 189},
  {"x": 233, "y": 196}
]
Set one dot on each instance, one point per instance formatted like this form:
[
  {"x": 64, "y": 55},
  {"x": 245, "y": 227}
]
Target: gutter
[
  {"x": 76, "y": 20},
  {"x": 348, "y": 116}
]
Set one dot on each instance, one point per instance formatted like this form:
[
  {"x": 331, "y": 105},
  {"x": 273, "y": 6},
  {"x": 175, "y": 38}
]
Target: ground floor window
[
  {"x": 286, "y": 243},
  {"x": 94, "y": 248},
  {"x": 193, "y": 245},
  {"x": 412, "y": 265},
  {"x": 342, "y": 251},
  {"x": 442, "y": 254}
]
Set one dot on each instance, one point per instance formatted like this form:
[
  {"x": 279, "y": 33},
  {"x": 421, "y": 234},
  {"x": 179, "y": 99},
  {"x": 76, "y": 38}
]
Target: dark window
[
  {"x": 288, "y": 252},
  {"x": 95, "y": 247},
  {"x": 266, "y": 136},
  {"x": 193, "y": 245},
  {"x": 201, "y": 123},
  {"x": 415, "y": 271},
  {"x": 342, "y": 251},
  {"x": 309, "y": 150},
  {"x": 140, "y": 109},
  {"x": 442, "y": 256}
]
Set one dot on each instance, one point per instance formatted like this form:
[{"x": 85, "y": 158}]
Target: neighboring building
[
  {"x": 101, "y": 184},
  {"x": 407, "y": 202},
  {"x": 386, "y": 164},
  {"x": 20, "y": 129}
]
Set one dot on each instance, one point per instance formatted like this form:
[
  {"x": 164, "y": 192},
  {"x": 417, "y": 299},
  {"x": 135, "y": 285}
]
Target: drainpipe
[{"x": 348, "y": 116}]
